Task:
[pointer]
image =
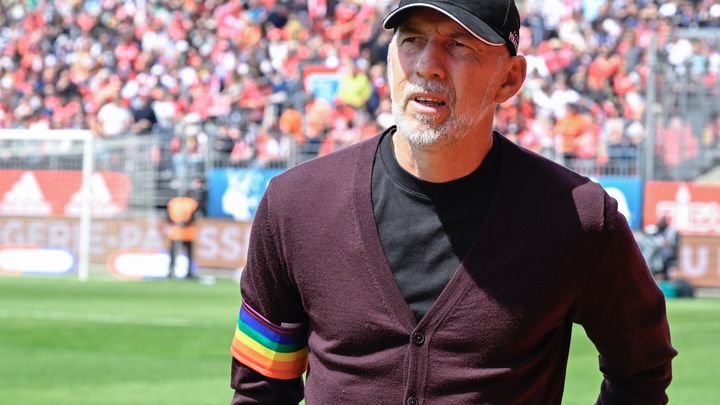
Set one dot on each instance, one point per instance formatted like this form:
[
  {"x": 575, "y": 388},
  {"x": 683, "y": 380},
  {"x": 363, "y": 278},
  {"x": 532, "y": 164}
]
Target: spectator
[
  {"x": 674, "y": 143},
  {"x": 571, "y": 129},
  {"x": 113, "y": 119},
  {"x": 355, "y": 88},
  {"x": 290, "y": 124},
  {"x": 621, "y": 152},
  {"x": 164, "y": 108},
  {"x": 602, "y": 69},
  {"x": 144, "y": 119}
]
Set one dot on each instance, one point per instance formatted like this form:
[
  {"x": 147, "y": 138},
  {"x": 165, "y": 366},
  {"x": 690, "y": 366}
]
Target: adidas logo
[
  {"x": 45, "y": 193},
  {"x": 25, "y": 198},
  {"x": 101, "y": 201}
]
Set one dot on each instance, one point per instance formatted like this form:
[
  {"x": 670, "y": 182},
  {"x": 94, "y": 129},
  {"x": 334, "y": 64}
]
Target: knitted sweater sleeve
[
  {"x": 623, "y": 313},
  {"x": 269, "y": 347}
]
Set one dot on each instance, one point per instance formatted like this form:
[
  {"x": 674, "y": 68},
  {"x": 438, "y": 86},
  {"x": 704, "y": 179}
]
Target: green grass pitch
[{"x": 162, "y": 342}]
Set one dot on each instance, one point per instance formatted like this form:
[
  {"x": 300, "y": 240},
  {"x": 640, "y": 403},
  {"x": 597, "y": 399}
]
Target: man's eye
[
  {"x": 459, "y": 44},
  {"x": 409, "y": 40}
]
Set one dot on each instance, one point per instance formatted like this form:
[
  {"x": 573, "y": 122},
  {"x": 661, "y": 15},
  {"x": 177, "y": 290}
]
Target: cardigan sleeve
[
  {"x": 269, "y": 347},
  {"x": 623, "y": 313}
]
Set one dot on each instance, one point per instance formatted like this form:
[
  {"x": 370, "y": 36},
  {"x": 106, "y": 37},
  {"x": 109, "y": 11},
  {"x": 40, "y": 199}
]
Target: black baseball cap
[{"x": 496, "y": 22}]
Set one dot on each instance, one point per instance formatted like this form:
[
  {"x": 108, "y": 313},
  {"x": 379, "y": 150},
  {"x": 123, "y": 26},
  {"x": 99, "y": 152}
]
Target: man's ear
[{"x": 516, "y": 68}]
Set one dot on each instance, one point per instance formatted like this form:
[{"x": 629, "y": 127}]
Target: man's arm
[
  {"x": 269, "y": 347},
  {"x": 252, "y": 387},
  {"x": 623, "y": 313}
]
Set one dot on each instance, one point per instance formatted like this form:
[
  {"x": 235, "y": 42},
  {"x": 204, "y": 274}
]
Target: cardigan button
[
  {"x": 412, "y": 401},
  {"x": 418, "y": 338}
]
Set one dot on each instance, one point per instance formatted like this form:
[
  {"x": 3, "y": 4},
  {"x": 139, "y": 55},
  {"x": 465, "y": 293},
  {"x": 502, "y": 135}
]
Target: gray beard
[{"x": 420, "y": 132}]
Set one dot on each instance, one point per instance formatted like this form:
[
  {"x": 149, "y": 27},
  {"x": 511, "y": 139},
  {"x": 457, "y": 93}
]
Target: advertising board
[
  {"x": 236, "y": 193},
  {"x": 35, "y": 260},
  {"x": 699, "y": 260},
  {"x": 322, "y": 81},
  {"x": 58, "y": 193},
  {"x": 627, "y": 191},
  {"x": 692, "y": 209},
  {"x": 220, "y": 243}
]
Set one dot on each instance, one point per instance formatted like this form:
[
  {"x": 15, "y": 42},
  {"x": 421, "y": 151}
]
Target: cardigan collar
[{"x": 377, "y": 264}]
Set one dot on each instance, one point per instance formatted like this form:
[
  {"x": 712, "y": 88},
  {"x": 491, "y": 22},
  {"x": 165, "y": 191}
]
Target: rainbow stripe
[{"x": 271, "y": 350}]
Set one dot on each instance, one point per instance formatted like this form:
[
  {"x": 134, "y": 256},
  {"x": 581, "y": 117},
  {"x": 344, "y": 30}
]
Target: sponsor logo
[
  {"x": 101, "y": 201},
  {"x": 25, "y": 198},
  {"x": 236, "y": 193},
  {"x": 690, "y": 208},
  {"x": 514, "y": 38},
  {"x": 59, "y": 193},
  {"x": 139, "y": 264},
  {"x": 29, "y": 259}
]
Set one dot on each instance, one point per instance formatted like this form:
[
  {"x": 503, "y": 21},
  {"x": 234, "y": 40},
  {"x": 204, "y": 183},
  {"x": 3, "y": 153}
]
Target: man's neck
[{"x": 442, "y": 163}]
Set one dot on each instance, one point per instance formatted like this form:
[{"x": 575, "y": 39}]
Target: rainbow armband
[{"x": 275, "y": 351}]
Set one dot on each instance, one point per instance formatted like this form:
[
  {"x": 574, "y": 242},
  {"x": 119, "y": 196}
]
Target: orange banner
[{"x": 692, "y": 209}]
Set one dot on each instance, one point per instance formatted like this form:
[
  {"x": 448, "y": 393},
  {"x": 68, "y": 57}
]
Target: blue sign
[
  {"x": 628, "y": 191},
  {"x": 591, "y": 9},
  {"x": 324, "y": 85},
  {"x": 236, "y": 193}
]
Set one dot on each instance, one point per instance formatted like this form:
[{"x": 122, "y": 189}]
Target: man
[
  {"x": 113, "y": 119},
  {"x": 439, "y": 263},
  {"x": 666, "y": 239},
  {"x": 181, "y": 211}
]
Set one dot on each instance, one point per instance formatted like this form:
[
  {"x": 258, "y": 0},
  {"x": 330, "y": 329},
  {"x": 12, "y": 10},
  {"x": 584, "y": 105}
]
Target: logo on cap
[{"x": 514, "y": 37}]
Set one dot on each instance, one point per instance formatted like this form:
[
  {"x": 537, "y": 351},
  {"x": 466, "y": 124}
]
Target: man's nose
[{"x": 430, "y": 63}]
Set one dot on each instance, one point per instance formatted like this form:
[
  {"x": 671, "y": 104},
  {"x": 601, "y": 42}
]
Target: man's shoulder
[
  {"x": 531, "y": 167},
  {"x": 333, "y": 165},
  {"x": 541, "y": 185},
  {"x": 326, "y": 176}
]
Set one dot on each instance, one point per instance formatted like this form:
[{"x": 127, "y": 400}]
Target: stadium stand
[{"x": 234, "y": 71}]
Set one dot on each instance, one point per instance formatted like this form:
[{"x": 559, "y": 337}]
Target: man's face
[{"x": 443, "y": 81}]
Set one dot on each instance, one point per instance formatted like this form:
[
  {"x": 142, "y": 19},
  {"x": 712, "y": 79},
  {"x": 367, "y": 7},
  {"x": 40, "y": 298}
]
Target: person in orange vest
[{"x": 181, "y": 212}]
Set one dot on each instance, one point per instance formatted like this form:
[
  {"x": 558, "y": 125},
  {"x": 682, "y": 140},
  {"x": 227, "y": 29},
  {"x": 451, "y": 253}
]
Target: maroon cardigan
[{"x": 554, "y": 251}]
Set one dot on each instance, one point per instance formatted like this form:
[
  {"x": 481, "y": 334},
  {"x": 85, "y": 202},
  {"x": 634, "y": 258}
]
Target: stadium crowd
[{"x": 135, "y": 67}]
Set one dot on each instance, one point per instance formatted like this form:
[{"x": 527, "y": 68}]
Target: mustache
[{"x": 427, "y": 86}]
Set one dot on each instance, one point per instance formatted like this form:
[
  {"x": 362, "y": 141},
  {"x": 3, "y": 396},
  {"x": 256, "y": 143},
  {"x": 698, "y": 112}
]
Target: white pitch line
[{"x": 95, "y": 318}]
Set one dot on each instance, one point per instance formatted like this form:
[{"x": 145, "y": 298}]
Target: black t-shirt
[{"x": 427, "y": 228}]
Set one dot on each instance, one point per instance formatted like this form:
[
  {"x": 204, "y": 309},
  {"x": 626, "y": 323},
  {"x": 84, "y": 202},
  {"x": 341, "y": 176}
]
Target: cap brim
[{"x": 464, "y": 18}]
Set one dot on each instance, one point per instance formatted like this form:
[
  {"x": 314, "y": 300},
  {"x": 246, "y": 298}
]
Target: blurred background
[{"x": 110, "y": 109}]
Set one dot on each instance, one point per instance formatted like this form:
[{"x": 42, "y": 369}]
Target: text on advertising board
[
  {"x": 699, "y": 260},
  {"x": 220, "y": 243},
  {"x": 692, "y": 209}
]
